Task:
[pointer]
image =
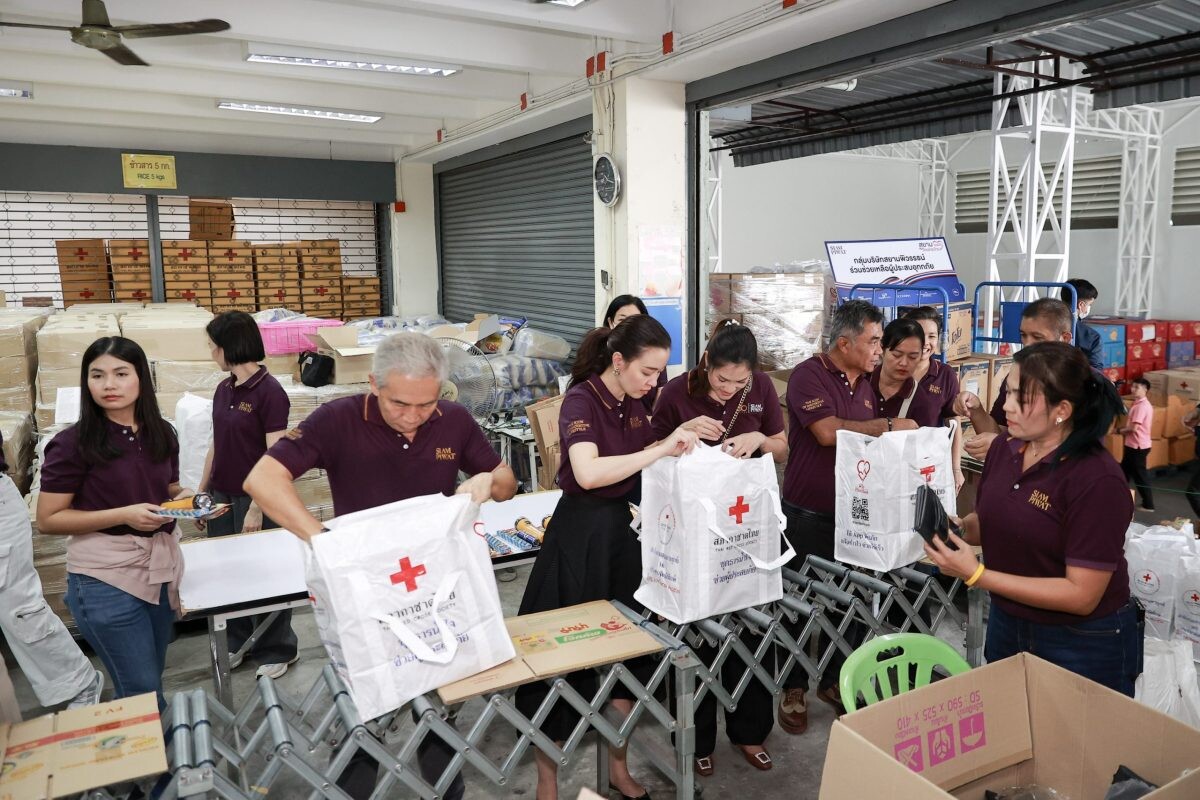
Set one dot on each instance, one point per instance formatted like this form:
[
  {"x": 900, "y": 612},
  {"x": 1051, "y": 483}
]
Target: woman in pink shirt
[{"x": 1137, "y": 442}]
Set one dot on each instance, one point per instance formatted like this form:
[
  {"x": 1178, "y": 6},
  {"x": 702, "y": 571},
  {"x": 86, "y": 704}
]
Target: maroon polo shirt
[
  {"x": 590, "y": 413},
  {"x": 371, "y": 464},
  {"x": 242, "y": 417},
  {"x": 933, "y": 402},
  {"x": 816, "y": 390},
  {"x": 129, "y": 479},
  {"x": 1038, "y": 523},
  {"x": 998, "y": 406},
  {"x": 3, "y": 464},
  {"x": 760, "y": 413}
]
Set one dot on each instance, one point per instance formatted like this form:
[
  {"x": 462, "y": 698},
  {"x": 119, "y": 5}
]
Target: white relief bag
[
  {"x": 711, "y": 533},
  {"x": 876, "y": 480},
  {"x": 405, "y": 600}
]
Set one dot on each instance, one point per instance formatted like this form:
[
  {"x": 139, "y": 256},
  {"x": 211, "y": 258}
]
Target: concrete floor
[{"x": 798, "y": 759}]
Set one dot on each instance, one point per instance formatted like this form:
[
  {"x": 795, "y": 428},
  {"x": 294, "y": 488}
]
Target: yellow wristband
[{"x": 971, "y": 581}]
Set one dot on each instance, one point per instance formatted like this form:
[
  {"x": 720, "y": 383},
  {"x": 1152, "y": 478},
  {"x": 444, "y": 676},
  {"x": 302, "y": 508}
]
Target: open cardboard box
[
  {"x": 555, "y": 643},
  {"x": 80, "y": 749},
  {"x": 351, "y": 363},
  {"x": 543, "y": 421},
  {"x": 1016, "y": 722},
  {"x": 480, "y": 328}
]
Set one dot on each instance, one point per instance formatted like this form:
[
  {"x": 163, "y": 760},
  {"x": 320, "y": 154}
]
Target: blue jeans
[
  {"x": 129, "y": 634},
  {"x": 1107, "y": 650}
]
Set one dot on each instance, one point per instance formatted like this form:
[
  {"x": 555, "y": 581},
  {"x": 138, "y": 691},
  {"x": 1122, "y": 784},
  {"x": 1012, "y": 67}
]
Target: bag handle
[
  {"x": 740, "y": 405},
  {"x": 417, "y": 646},
  {"x": 908, "y": 400},
  {"x": 769, "y": 566}
]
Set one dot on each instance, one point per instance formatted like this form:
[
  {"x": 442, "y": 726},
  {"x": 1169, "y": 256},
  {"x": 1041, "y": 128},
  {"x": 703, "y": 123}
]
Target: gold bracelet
[{"x": 971, "y": 581}]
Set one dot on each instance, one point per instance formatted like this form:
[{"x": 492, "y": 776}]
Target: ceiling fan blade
[
  {"x": 94, "y": 13},
  {"x": 123, "y": 55},
  {"x": 172, "y": 28},
  {"x": 28, "y": 25}
]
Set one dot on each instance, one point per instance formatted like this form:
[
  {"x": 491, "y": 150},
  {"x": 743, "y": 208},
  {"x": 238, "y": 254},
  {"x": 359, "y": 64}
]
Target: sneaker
[
  {"x": 91, "y": 695},
  {"x": 235, "y": 660},
  {"x": 274, "y": 671}
]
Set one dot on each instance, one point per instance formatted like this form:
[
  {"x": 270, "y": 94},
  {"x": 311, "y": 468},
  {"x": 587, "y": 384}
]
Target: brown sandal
[
  {"x": 760, "y": 760},
  {"x": 704, "y": 766}
]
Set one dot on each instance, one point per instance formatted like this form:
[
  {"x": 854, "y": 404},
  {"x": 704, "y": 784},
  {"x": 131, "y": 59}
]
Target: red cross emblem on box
[
  {"x": 321, "y": 290},
  {"x": 135, "y": 253},
  {"x": 185, "y": 254},
  {"x": 87, "y": 294},
  {"x": 188, "y": 294}
]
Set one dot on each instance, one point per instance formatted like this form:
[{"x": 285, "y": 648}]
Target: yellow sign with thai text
[{"x": 142, "y": 171}]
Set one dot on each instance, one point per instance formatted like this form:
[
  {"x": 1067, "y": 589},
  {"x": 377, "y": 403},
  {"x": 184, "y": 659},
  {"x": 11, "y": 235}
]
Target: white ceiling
[{"x": 506, "y": 47}]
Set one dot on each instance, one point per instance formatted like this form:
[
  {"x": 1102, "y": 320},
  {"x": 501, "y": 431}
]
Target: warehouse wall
[
  {"x": 787, "y": 210},
  {"x": 414, "y": 242}
]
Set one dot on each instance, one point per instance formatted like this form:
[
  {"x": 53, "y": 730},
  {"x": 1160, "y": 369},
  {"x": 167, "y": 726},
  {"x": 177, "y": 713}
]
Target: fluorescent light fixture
[
  {"x": 270, "y": 54},
  {"x": 23, "y": 91},
  {"x": 567, "y": 3},
  {"x": 299, "y": 111}
]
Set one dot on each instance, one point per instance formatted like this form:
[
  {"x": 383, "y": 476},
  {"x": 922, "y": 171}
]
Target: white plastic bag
[
  {"x": 876, "y": 480},
  {"x": 405, "y": 601},
  {"x": 1155, "y": 569},
  {"x": 193, "y": 426},
  {"x": 1187, "y": 604},
  {"x": 711, "y": 531},
  {"x": 536, "y": 344},
  {"x": 1168, "y": 681}
]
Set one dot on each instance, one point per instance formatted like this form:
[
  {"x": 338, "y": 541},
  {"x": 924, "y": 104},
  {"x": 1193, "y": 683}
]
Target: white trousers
[{"x": 44, "y": 649}]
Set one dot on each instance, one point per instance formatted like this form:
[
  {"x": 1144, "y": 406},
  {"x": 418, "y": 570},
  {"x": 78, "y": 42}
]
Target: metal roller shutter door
[{"x": 516, "y": 238}]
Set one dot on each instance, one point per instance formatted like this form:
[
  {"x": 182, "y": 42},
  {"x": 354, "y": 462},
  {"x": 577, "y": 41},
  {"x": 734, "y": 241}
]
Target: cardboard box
[
  {"x": 210, "y": 219},
  {"x": 1146, "y": 351},
  {"x": 61, "y": 344},
  {"x": 1160, "y": 454},
  {"x": 351, "y": 363},
  {"x": 543, "y": 421},
  {"x": 998, "y": 367},
  {"x": 197, "y": 292},
  {"x": 75, "y": 292},
  {"x": 235, "y": 291},
  {"x": 321, "y": 250},
  {"x": 276, "y": 257},
  {"x": 135, "y": 292},
  {"x": 959, "y": 331},
  {"x": 1184, "y": 384},
  {"x": 18, "y": 333},
  {"x": 82, "y": 260},
  {"x": 1115, "y": 374},
  {"x": 49, "y": 381},
  {"x": 1110, "y": 332},
  {"x": 1015, "y": 722},
  {"x": 361, "y": 286},
  {"x": 973, "y": 376},
  {"x": 169, "y": 337},
  {"x": 483, "y": 326},
  {"x": 278, "y": 293},
  {"x": 186, "y": 376},
  {"x": 1176, "y": 409},
  {"x": 1181, "y": 450},
  {"x": 1144, "y": 330},
  {"x": 558, "y": 642},
  {"x": 72, "y": 751}
]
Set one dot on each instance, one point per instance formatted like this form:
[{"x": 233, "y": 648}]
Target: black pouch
[
  {"x": 930, "y": 519},
  {"x": 316, "y": 369}
]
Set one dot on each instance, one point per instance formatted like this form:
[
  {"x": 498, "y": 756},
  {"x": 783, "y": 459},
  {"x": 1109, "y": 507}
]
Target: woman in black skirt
[
  {"x": 590, "y": 552},
  {"x": 729, "y": 404}
]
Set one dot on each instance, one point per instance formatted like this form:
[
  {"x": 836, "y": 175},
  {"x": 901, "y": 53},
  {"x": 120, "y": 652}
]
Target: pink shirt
[{"x": 1140, "y": 414}]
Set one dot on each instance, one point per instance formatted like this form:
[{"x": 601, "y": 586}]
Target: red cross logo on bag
[
  {"x": 408, "y": 574},
  {"x": 739, "y": 508}
]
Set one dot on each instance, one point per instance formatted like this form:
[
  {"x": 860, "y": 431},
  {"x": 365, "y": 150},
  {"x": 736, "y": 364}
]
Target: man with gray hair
[
  {"x": 827, "y": 393},
  {"x": 395, "y": 442}
]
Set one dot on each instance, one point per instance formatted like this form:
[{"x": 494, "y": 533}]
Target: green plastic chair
[{"x": 876, "y": 679}]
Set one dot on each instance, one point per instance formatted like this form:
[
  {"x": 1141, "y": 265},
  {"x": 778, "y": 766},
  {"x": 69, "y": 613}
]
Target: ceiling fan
[{"x": 96, "y": 32}]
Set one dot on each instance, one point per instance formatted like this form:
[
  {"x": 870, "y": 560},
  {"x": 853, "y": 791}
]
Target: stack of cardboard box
[
  {"x": 83, "y": 270},
  {"x": 177, "y": 347},
  {"x": 130, "y": 260},
  {"x": 278, "y": 274},
  {"x": 321, "y": 277},
  {"x": 1183, "y": 343},
  {"x": 19, "y": 437},
  {"x": 210, "y": 220},
  {"x": 360, "y": 296},
  {"x": 1175, "y": 392},
  {"x": 61, "y": 343},
  {"x": 232, "y": 274},
  {"x": 983, "y": 375},
  {"x": 786, "y": 311},
  {"x": 18, "y": 357},
  {"x": 185, "y": 272},
  {"x": 1132, "y": 347}
]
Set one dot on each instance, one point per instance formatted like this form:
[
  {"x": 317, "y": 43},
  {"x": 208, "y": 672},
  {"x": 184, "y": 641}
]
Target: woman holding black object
[
  {"x": 730, "y": 405},
  {"x": 589, "y": 551},
  {"x": 1051, "y": 516},
  {"x": 102, "y": 482},
  {"x": 250, "y": 413}
]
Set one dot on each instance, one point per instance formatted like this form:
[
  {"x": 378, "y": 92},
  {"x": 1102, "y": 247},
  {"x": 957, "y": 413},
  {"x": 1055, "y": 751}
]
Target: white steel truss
[
  {"x": 1028, "y": 238},
  {"x": 930, "y": 156},
  {"x": 1139, "y": 128}
]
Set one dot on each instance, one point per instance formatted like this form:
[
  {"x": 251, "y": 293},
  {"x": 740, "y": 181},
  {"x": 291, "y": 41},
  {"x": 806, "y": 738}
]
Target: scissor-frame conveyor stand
[{"x": 216, "y": 752}]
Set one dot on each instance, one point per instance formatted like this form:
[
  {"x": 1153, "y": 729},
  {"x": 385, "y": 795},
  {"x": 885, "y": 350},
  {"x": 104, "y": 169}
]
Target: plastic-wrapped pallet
[
  {"x": 521, "y": 380},
  {"x": 61, "y": 343},
  {"x": 174, "y": 379},
  {"x": 307, "y": 399},
  {"x": 533, "y": 343},
  {"x": 786, "y": 307},
  {"x": 19, "y": 440},
  {"x": 18, "y": 357}
]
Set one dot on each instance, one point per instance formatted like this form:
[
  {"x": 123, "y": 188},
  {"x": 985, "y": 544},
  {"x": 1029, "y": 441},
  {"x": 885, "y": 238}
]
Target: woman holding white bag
[
  {"x": 730, "y": 405},
  {"x": 589, "y": 551}
]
